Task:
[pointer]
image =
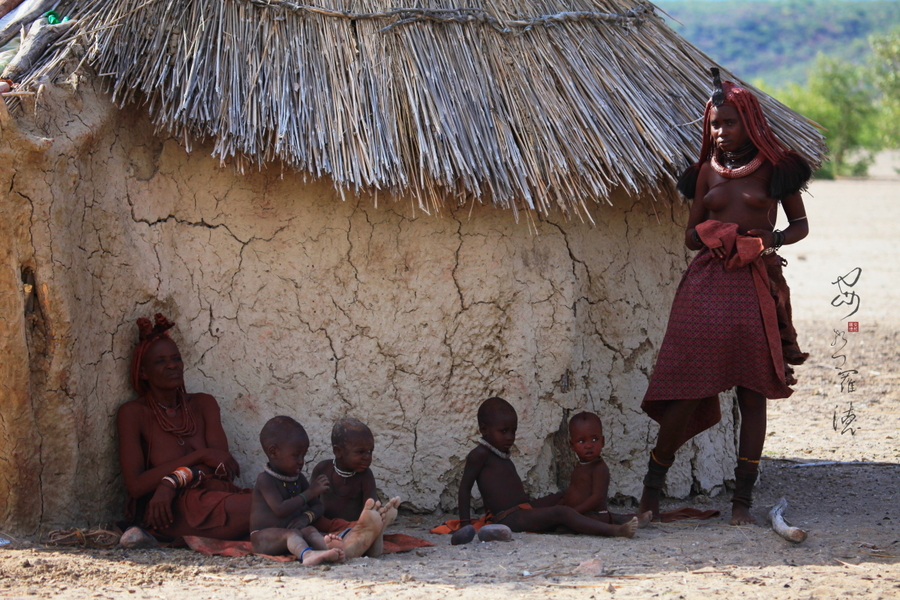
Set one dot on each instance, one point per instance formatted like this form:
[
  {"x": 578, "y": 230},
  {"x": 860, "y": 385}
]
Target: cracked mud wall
[{"x": 289, "y": 300}]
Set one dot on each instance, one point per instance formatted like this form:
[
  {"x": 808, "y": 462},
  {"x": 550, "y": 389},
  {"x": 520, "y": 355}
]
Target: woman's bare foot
[
  {"x": 627, "y": 529},
  {"x": 316, "y": 557},
  {"x": 644, "y": 519},
  {"x": 740, "y": 514},
  {"x": 649, "y": 502},
  {"x": 333, "y": 540},
  {"x": 367, "y": 530}
]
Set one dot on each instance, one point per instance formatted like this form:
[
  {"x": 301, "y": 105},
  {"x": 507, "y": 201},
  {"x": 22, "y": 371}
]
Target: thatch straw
[{"x": 528, "y": 105}]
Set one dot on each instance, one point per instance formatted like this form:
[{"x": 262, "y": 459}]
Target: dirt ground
[{"x": 840, "y": 485}]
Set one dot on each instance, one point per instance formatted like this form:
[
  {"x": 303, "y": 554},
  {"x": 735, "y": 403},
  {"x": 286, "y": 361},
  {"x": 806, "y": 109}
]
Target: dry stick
[{"x": 781, "y": 527}]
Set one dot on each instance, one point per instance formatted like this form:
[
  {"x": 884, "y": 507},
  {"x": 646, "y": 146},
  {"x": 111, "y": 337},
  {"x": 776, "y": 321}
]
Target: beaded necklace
[
  {"x": 489, "y": 446},
  {"x": 161, "y": 414},
  {"x": 747, "y": 169},
  {"x": 291, "y": 484},
  {"x": 344, "y": 474}
]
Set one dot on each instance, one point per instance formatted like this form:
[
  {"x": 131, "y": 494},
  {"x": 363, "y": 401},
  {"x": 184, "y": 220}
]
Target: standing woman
[
  {"x": 173, "y": 450},
  {"x": 730, "y": 323}
]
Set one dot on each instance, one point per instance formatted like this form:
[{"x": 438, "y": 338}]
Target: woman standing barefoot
[{"x": 730, "y": 323}]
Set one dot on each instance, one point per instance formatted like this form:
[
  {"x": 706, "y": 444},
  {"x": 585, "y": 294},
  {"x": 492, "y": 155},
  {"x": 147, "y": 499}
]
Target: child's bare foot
[
  {"x": 740, "y": 514},
  {"x": 644, "y": 519},
  {"x": 316, "y": 557},
  {"x": 333, "y": 540},
  {"x": 495, "y": 533},
  {"x": 650, "y": 502},
  {"x": 627, "y": 529},
  {"x": 388, "y": 512},
  {"x": 368, "y": 528}
]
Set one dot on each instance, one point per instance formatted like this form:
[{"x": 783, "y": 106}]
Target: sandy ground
[{"x": 848, "y": 505}]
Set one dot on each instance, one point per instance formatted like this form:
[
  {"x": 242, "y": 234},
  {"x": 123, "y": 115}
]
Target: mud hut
[{"x": 369, "y": 210}]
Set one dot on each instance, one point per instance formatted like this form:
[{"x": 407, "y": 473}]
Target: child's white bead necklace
[
  {"x": 281, "y": 477},
  {"x": 344, "y": 474},
  {"x": 489, "y": 446}
]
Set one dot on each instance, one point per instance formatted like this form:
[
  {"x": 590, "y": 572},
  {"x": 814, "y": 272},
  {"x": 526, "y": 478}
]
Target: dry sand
[{"x": 849, "y": 508}]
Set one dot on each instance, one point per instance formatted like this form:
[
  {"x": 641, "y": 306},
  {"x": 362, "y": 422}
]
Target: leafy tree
[
  {"x": 885, "y": 62},
  {"x": 838, "y": 97}
]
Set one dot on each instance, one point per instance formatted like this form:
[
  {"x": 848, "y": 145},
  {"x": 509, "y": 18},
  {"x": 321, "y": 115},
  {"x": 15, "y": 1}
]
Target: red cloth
[
  {"x": 393, "y": 543},
  {"x": 204, "y": 507},
  {"x": 723, "y": 331}
]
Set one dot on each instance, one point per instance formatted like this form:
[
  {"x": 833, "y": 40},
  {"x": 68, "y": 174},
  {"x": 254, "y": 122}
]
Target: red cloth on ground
[
  {"x": 393, "y": 543},
  {"x": 723, "y": 331},
  {"x": 326, "y": 525},
  {"x": 204, "y": 506}
]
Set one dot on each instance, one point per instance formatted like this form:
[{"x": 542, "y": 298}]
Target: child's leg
[
  {"x": 368, "y": 528},
  {"x": 752, "y": 437},
  {"x": 543, "y": 519},
  {"x": 275, "y": 541},
  {"x": 671, "y": 430},
  {"x": 314, "y": 538}
]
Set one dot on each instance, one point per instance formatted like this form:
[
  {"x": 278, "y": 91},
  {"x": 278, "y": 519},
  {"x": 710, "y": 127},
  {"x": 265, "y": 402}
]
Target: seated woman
[{"x": 173, "y": 451}]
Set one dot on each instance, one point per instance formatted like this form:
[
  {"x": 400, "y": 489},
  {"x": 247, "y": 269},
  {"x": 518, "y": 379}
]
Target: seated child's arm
[
  {"x": 474, "y": 464},
  {"x": 596, "y": 501},
  {"x": 282, "y": 508}
]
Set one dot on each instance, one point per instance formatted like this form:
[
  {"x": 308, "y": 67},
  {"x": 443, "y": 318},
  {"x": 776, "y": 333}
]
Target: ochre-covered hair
[
  {"x": 790, "y": 170},
  {"x": 149, "y": 333}
]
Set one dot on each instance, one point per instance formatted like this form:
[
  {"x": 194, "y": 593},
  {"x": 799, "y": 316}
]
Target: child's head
[
  {"x": 497, "y": 422},
  {"x": 285, "y": 443},
  {"x": 352, "y": 443},
  {"x": 586, "y": 436}
]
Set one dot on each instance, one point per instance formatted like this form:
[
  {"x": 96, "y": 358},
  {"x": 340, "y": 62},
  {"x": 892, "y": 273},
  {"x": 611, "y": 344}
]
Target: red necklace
[{"x": 740, "y": 171}]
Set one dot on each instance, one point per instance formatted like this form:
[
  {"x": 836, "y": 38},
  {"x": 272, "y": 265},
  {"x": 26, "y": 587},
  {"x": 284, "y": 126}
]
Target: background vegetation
[{"x": 835, "y": 61}]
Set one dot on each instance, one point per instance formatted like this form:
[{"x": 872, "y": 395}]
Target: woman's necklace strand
[{"x": 489, "y": 446}]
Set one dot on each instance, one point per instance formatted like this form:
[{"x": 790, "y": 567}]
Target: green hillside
[{"x": 778, "y": 40}]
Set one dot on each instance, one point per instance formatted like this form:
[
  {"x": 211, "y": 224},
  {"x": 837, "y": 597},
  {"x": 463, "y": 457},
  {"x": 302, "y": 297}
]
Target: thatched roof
[{"x": 526, "y": 103}]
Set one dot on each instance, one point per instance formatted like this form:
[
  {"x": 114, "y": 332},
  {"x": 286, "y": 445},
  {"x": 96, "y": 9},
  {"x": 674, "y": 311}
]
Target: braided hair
[
  {"x": 790, "y": 171},
  {"x": 149, "y": 333}
]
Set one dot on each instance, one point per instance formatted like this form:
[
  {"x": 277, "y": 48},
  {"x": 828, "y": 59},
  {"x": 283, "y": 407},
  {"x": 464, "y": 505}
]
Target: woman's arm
[
  {"x": 798, "y": 225},
  {"x": 698, "y": 213},
  {"x": 138, "y": 480}
]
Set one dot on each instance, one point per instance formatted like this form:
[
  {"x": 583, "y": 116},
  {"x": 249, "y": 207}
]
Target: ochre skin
[
  {"x": 744, "y": 201},
  {"x": 139, "y": 433},
  {"x": 501, "y": 488},
  {"x": 346, "y": 496}
]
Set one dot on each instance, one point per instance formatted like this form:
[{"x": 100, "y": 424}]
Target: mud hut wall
[{"x": 291, "y": 301}]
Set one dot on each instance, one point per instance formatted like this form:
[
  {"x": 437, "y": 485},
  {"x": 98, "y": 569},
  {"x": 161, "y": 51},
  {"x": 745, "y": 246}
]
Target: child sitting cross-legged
[
  {"x": 502, "y": 490},
  {"x": 284, "y": 503},
  {"x": 351, "y": 484},
  {"x": 589, "y": 483}
]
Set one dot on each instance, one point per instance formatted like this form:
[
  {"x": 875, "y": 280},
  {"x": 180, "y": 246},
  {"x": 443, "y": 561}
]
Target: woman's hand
[
  {"x": 159, "y": 510},
  {"x": 767, "y": 237},
  {"x": 217, "y": 460}
]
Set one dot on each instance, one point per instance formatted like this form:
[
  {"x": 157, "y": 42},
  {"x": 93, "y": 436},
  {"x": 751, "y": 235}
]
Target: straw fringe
[{"x": 531, "y": 106}]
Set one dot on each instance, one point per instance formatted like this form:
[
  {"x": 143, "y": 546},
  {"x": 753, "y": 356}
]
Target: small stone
[
  {"x": 421, "y": 552},
  {"x": 406, "y": 578},
  {"x": 250, "y": 578},
  {"x": 4, "y": 87},
  {"x": 26, "y": 564},
  {"x": 592, "y": 567},
  {"x": 495, "y": 533},
  {"x": 136, "y": 538},
  {"x": 463, "y": 535}
]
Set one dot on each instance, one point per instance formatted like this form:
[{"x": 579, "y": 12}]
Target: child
[
  {"x": 351, "y": 483},
  {"x": 284, "y": 503},
  {"x": 589, "y": 484},
  {"x": 502, "y": 490}
]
